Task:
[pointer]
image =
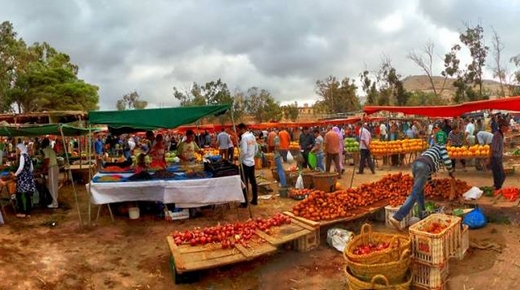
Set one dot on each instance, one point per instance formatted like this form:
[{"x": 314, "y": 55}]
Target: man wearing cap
[{"x": 306, "y": 144}]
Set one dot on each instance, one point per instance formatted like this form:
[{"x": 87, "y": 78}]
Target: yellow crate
[
  {"x": 308, "y": 242},
  {"x": 435, "y": 249},
  {"x": 464, "y": 243},
  {"x": 429, "y": 277}
]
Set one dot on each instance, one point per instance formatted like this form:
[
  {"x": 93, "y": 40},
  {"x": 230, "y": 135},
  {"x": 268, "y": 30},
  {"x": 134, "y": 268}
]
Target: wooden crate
[
  {"x": 286, "y": 233},
  {"x": 308, "y": 242},
  {"x": 193, "y": 258}
]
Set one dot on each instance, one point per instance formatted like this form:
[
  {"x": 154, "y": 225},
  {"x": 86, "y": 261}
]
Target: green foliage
[
  {"x": 336, "y": 96},
  {"x": 420, "y": 98},
  {"x": 514, "y": 86},
  {"x": 262, "y": 106},
  {"x": 369, "y": 87},
  {"x": 291, "y": 111},
  {"x": 131, "y": 101},
  {"x": 40, "y": 78},
  {"x": 474, "y": 41}
]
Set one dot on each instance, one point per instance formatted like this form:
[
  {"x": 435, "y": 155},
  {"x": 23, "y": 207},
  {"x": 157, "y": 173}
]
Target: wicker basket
[
  {"x": 377, "y": 282},
  {"x": 394, "y": 271},
  {"x": 308, "y": 179},
  {"x": 398, "y": 244},
  {"x": 325, "y": 181}
]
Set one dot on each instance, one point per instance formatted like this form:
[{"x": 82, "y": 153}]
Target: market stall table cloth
[{"x": 184, "y": 193}]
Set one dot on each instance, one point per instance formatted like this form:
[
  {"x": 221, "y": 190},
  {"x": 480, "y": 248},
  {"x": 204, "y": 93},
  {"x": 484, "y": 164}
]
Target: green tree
[
  {"x": 452, "y": 69},
  {"x": 420, "y": 98},
  {"x": 40, "y": 78},
  {"x": 369, "y": 87},
  {"x": 336, "y": 96},
  {"x": 262, "y": 106},
  {"x": 131, "y": 101},
  {"x": 291, "y": 111},
  {"x": 514, "y": 83},
  {"x": 391, "y": 87},
  {"x": 473, "y": 38}
]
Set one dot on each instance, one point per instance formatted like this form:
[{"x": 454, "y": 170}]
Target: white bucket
[{"x": 133, "y": 213}]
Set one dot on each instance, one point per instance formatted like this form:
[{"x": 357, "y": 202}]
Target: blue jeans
[
  {"x": 280, "y": 171},
  {"x": 420, "y": 172},
  {"x": 319, "y": 161}
]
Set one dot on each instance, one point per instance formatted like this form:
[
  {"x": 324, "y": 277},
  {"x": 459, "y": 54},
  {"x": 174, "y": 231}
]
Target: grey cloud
[{"x": 282, "y": 46}]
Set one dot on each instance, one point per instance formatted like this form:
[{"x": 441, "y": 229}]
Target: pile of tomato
[
  {"x": 509, "y": 193},
  {"x": 436, "y": 227},
  {"x": 365, "y": 249},
  {"x": 229, "y": 235}
]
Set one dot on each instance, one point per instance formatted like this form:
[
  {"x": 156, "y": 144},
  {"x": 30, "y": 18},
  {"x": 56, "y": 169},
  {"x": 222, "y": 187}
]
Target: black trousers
[
  {"x": 366, "y": 159},
  {"x": 499, "y": 176},
  {"x": 305, "y": 162},
  {"x": 24, "y": 202},
  {"x": 248, "y": 175}
]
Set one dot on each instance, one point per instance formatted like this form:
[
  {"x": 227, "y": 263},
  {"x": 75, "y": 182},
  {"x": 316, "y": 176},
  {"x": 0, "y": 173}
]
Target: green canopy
[
  {"x": 148, "y": 119},
  {"x": 39, "y": 130}
]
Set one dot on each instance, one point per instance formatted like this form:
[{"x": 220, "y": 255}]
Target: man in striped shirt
[
  {"x": 497, "y": 154},
  {"x": 422, "y": 169}
]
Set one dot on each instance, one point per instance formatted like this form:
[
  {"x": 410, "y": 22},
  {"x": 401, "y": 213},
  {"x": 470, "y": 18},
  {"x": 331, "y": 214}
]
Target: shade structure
[
  {"x": 40, "y": 130},
  {"x": 150, "y": 119},
  {"x": 507, "y": 104}
]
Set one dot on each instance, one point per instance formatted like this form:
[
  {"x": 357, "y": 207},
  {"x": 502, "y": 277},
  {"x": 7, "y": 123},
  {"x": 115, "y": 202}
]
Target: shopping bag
[
  {"x": 312, "y": 160},
  {"x": 475, "y": 219},
  {"x": 290, "y": 158},
  {"x": 299, "y": 182}
]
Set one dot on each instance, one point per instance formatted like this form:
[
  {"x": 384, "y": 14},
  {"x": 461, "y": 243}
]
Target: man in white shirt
[
  {"x": 223, "y": 142},
  {"x": 364, "y": 145},
  {"x": 470, "y": 132},
  {"x": 248, "y": 149},
  {"x": 383, "y": 131}
]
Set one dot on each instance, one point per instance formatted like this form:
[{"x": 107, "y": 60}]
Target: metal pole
[
  {"x": 242, "y": 173},
  {"x": 70, "y": 173}
]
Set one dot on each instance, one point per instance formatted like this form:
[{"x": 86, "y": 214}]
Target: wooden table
[{"x": 81, "y": 169}]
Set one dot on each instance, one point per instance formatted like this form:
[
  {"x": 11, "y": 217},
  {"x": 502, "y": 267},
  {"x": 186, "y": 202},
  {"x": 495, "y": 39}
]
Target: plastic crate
[
  {"x": 178, "y": 215},
  {"x": 390, "y": 211},
  {"x": 429, "y": 277},
  {"x": 464, "y": 243},
  {"x": 435, "y": 249},
  {"x": 308, "y": 242}
]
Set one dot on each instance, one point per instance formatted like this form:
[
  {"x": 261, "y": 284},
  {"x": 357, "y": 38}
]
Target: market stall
[
  {"x": 188, "y": 193},
  {"x": 184, "y": 193},
  {"x": 50, "y": 129}
]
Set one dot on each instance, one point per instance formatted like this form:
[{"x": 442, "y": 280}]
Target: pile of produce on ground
[
  {"x": 299, "y": 194},
  {"x": 394, "y": 187},
  {"x": 229, "y": 235},
  {"x": 509, "y": 193}
]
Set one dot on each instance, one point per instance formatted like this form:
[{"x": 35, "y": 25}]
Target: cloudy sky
[{"x": 283, "y": 46}]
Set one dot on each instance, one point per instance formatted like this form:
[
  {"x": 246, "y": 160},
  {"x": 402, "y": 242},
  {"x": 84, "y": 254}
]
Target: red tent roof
[{"x": 508, "y": 104}]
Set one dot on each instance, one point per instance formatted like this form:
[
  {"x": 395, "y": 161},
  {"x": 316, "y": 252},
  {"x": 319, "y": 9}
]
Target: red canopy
[{"x": 507, "y": 104}]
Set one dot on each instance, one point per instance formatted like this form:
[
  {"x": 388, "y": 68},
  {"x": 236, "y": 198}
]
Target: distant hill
[{"x": 422, "y": 83}]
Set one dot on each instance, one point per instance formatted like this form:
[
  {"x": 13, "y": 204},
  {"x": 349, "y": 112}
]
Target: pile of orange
[
  {"x": 398, "y": 146},
  {"x": 471, "y": 151}
]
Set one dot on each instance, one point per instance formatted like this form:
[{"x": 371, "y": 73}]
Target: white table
[{"x": 184, "y": 193}]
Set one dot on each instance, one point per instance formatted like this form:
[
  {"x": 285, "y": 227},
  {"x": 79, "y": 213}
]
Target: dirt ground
[{"x": 52, "y": 251}]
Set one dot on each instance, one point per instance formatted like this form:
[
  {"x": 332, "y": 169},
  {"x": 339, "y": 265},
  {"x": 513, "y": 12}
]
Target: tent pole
[
  {"x": 240, "y": 163},
  {"x": 70, "y": 174}
]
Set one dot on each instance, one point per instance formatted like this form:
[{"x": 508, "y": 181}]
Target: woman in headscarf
[
  {"x": 341, "y": 147},
  {"x": 25, "y": 186},
  {"x": 157, "y": 153}
]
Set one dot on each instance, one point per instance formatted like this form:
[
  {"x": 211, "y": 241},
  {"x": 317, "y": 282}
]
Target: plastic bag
[
  {"x": 299, "y": 182},
  {"x": 473, "y": 193},
  {"x": 339, "y": 238},
  {"x": 290, "y": 158},
  {"x": 475, "y": 219},
  {"x": 312, "y": 160}
]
